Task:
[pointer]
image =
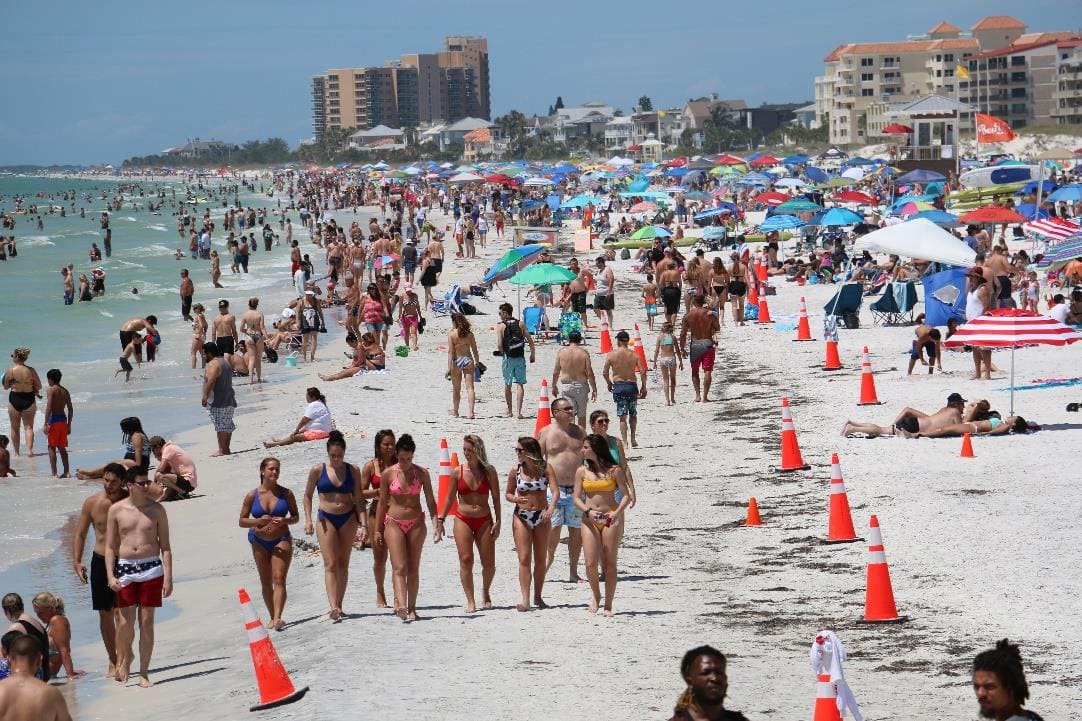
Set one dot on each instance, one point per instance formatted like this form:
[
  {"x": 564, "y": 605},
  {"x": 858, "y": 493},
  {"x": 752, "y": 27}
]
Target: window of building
[
  {"x": 867, "y": 92},
  {"x": 1018, "y": 61},
  {"x": 1018, "y": 92},
  {"x": 1018, "y": 77},
  {"x": 1018, "y": 108},
  {"x": 867, "y": 77},
  {"x": 939, "y": 73},
  {"x": 949, "y": 88},
  {"x": 890, "y": 90},
  {"x": 948, "y": 73},
  {"x": 867, "y": 62},
  {"x": 949, "y": 57}
]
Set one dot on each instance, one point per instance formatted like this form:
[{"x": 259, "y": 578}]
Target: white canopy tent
[{"x": 920, "y": 238}]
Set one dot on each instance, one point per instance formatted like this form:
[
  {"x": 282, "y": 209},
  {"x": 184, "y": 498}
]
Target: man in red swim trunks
[
  {"x": 702, "y": 325},
  {"x": 139, "y": 562}
]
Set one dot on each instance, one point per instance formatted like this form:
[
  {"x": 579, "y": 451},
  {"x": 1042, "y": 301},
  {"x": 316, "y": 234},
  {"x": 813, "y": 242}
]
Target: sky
[{"x": 91, "y": 83}]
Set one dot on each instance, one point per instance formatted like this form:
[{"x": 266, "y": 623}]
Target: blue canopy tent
[
  {"x": 945, "y": 296},
  {"x": 795, "y": 159},
  {"x": 920, "y": 175},
  {"x": 1031, "y": 188}
]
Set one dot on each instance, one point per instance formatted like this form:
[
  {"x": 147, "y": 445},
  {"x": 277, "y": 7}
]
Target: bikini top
[
  {"x": 377, "y": 477},
  {"x": 667, "y": 339},
  {"x": 324, "y": 485},
  {"x": 398, "y": 488},
  {"x": 524, "y": 485},
  {"x": 599, "y": 485},
  {"x": 281, "y": 507},
  {"x": 464, "y": 488}
]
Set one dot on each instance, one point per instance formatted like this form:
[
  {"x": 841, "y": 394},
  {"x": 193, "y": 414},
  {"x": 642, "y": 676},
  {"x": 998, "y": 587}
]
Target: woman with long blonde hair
[{"x": 474, "y": 484}]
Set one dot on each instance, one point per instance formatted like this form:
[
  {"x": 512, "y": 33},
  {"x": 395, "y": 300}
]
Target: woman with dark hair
[
  {"x": 473, "y": 484},
  {"x": 371, "y": 474},
  {"x": 341, "y": 508},
  {"x": 462, "y": 359},
  {"x": 400, "y": 524},
  {"x": 136, "y": 450},
  {"x": 596, "y": 485},
  {"x": 703, "y": 669},
  {"x": 993, "y": 425},
  {"x": 527, "y": 486},
  {"x": 267, "y": 512},
  {"x": 315, "y": 425}
]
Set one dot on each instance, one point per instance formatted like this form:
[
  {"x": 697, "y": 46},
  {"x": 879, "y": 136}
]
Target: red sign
[{"x": 991, "y": 129}]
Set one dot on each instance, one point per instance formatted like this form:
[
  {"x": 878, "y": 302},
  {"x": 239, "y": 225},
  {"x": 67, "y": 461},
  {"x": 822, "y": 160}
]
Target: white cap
[{"x": 288, "y": 313}]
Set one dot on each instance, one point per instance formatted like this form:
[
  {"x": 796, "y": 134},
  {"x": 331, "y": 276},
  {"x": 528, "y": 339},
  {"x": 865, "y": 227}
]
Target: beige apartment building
[
  {"x": 862, "y": 81},
  {"x": 1067, "y": 106},
  {"x": 418, "y": 88}
]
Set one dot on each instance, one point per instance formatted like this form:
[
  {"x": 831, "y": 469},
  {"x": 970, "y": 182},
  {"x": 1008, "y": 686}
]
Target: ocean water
[{"x": 82, "y": 339}]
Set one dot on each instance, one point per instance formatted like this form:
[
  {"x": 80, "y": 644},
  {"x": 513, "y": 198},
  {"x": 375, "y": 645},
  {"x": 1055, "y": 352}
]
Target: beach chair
[
  {"x": 877, "y": 284},
  {"x": 537, "y": 323},
  {"x": 846, "y": 304},
  {"x": 451, "y": 303},
  {"x": 895, "y": 307}
]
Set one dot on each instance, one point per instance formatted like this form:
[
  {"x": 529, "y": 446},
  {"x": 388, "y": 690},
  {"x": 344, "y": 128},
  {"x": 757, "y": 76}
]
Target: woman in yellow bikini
[{"x": 596, "y": 483}]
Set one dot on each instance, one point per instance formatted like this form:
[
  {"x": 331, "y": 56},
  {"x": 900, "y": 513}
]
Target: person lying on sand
[{"x": 913, "y": 421}]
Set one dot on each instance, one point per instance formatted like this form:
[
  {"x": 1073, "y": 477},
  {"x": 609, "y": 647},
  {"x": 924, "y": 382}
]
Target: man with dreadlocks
[
  {"x": 703, "y": 669},
  {"x": 1000, "y": 684}
]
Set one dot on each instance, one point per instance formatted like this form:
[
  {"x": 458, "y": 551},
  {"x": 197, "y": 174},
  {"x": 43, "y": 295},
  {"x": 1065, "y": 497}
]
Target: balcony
[{"x": 926, "y": 152}]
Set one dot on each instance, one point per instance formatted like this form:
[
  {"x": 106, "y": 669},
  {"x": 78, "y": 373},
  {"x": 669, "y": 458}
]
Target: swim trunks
[
  {"x": 578, "y": 302},
  {"x": 226, "y": 344},
  {"x": 58, "y": 431},
  {"x": 140, "y": 582},
  {"x": 514, "y": 370},
  {"x": 578, "y": 392},
  {"x": 126, "y": 338},
  {"x": 566, "y": 513},
  {"x": 102, "y": 598},
  {"x": 626, "y": 396},
  {"x": 670, "y": 296},
  {"x": 222, "y": 418},
  {"x": 702, "y": 355}
]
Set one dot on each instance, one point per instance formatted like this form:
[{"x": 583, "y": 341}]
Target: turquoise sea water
[{"x": 82, "y": 339}]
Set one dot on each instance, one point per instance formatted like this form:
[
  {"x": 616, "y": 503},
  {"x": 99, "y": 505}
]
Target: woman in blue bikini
[
  {"x": 267, "y": 513},
  {"x": 341, "y": 509}
]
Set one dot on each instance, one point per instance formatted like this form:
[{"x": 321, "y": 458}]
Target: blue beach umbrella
[
  {"x": 815, "y": 175},
  {"x": 1069, "y": 193},
  {"x": 840, "y": 216},
  {"x": 781, "y": 222},
  {"x": 940, "y": 217},
  {"x": 1030, "y": 211},
  {"x": 920, "y": 175},
  {"x": 512, "y": 262},
  {"x": 795, "y": 159}
]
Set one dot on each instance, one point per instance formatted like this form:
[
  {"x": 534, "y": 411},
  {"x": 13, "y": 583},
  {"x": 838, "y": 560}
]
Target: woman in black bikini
[
  {"x": 400, "y": 524},
  {"x": 371, "y": 474},
  {"x": 738, "y": 287},
  {"x": 24, "y": 388},
  {"x": 473, "y": 484},
  {"x": 341, "y": 508},
  {"x": 527, "y": 484},
  {"x": 268, "y": 512}
]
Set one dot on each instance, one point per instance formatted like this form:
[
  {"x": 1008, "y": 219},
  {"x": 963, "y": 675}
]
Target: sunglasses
[
  {"x": 140, "y": 483},
  {"x": 602, "y": 421},
  {"x": 519, "y": 449}
]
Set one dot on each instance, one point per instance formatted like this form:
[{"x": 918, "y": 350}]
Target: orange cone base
[
  {"x": 779, "y": 469},
  {"x": 836, "y": 541},
  {"x": 900, "y": 619},
  {"x": 873, "y": 403},
  {"x": 802, "y": 340},
  {"x": 295, "y": 696}
]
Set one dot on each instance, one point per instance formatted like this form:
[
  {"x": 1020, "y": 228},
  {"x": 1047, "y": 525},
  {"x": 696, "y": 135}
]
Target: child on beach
[
  {"x": 928, "y": 342},
  {"x": 58, "y": 415},
  {"x": 1030, "y": 293},
  {"x": 134, "y": 347},
  {"x": 5, "y": 457},
  {"x": 670, "y": 355},
  {"x": 649, "y": 299}
]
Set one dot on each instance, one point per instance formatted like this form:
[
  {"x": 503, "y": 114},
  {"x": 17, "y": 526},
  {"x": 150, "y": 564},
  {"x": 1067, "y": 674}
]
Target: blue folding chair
[{"x": 846, "y": 304}]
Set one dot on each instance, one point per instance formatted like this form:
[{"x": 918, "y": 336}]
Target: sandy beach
[{"x": 979, "y": 549}]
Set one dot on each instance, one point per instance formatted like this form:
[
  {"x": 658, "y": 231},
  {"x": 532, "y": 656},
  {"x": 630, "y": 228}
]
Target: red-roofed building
[{"x": 880, "y": 75}]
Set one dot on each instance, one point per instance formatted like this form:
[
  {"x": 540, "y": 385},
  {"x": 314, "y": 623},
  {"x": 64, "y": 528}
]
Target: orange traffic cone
[
  {"x": 803, "y": 330},
  {"x": 840, "y": 522},
  {"x": 544, "y": 409},
  {"x": 639, "y": 350},
  {"x": 867, "y": 383},
  {"x": 832, "y": 361},
  {"x": 879, "y": 596},
  {"x": 826, "y": 700},
  {"x": 753, "y": 518},
  {"x": 760, "y": 269},
  {"x": 606, "y": 339},
  {"x": 764, "y": 311},
  {"x": 791, "y": 460},
  {"x": 444, "y": 479},
  {"x": 967, "y": 447},
  {"x": 753, "y": 294},
  {"x": 275, "y": 688}
]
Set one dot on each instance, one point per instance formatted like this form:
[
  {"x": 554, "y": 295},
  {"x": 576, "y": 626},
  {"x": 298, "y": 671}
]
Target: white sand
[{"x": 978, "y": 549}]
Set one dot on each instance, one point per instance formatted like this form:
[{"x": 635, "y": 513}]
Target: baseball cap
[
  {"x": 955, "y": 398},
  {"x": 288, "y": 313}
]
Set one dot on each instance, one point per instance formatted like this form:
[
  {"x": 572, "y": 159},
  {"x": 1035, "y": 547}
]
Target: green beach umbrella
[
  {"x": 650, "y": 232},
  {"x": 543, "y": 274}
]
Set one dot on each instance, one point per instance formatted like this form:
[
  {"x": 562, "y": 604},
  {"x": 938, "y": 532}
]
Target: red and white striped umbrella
[
  {"x": 1012, "y": 328},
  {"x": 1052, "y": 228}
]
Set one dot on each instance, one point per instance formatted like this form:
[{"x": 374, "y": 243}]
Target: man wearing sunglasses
[{"x": 139, "y": 561}]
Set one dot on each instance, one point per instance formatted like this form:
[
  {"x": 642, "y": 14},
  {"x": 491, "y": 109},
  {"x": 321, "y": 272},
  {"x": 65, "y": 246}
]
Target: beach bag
[
  {"x": 272, "y": 355},
  {"x": 751, "y": 312},
  {"x": 402, "y": 351}
]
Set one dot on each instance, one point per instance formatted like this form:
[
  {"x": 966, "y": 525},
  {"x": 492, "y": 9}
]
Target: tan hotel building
[
  {"x": 417, "y": 88},
  {"x": 1012, "y": 75}
]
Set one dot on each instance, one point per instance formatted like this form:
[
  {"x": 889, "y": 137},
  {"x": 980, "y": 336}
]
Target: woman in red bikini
[
  {"x": 370, "y": 482},
  {"x": 527, "y": 484},
  {"x": 596, "y": 484},
  {"x": 475, "y": 483},
  {"x": 400, "y": 524},
  {"x": 341, "y": 508}
]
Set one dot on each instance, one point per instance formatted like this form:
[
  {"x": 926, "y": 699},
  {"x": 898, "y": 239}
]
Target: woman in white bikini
[{"x": 530, "y": 485}]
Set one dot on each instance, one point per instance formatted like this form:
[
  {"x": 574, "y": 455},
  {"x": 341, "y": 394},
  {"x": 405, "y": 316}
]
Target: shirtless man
[
  {"x": 561, "y": 444},
  {"x": 133, "y": 326},
  {"x": 668, "y": 278},
  {"x": 22, "y": 696},
  {"x": 575, "y": 291},
  {"x": 621, "y": 365},
  {"x": 139, "y": 562},
  {"x": 253, "y": 324},
  {"x": 999, "y": 269},
  {"x": 187, "y": 291},
  {"x": 69, "y": 286},
  {"x": 223, "y": 329},
  {"x": 701, "y": 324},
  {"x": 102, "y": 598},
  {"x": 911, "y": 421},
  {"x": 435, "y": 254},
  {"x": 59, "y": 413},
  {"x": 573, "y": 365}
]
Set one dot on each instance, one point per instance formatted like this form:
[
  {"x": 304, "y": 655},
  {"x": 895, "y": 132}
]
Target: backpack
[{"x": 514, "y": 342}]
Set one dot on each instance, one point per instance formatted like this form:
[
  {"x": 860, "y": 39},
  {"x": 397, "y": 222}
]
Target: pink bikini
[{"x": 398, "y": 488}]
